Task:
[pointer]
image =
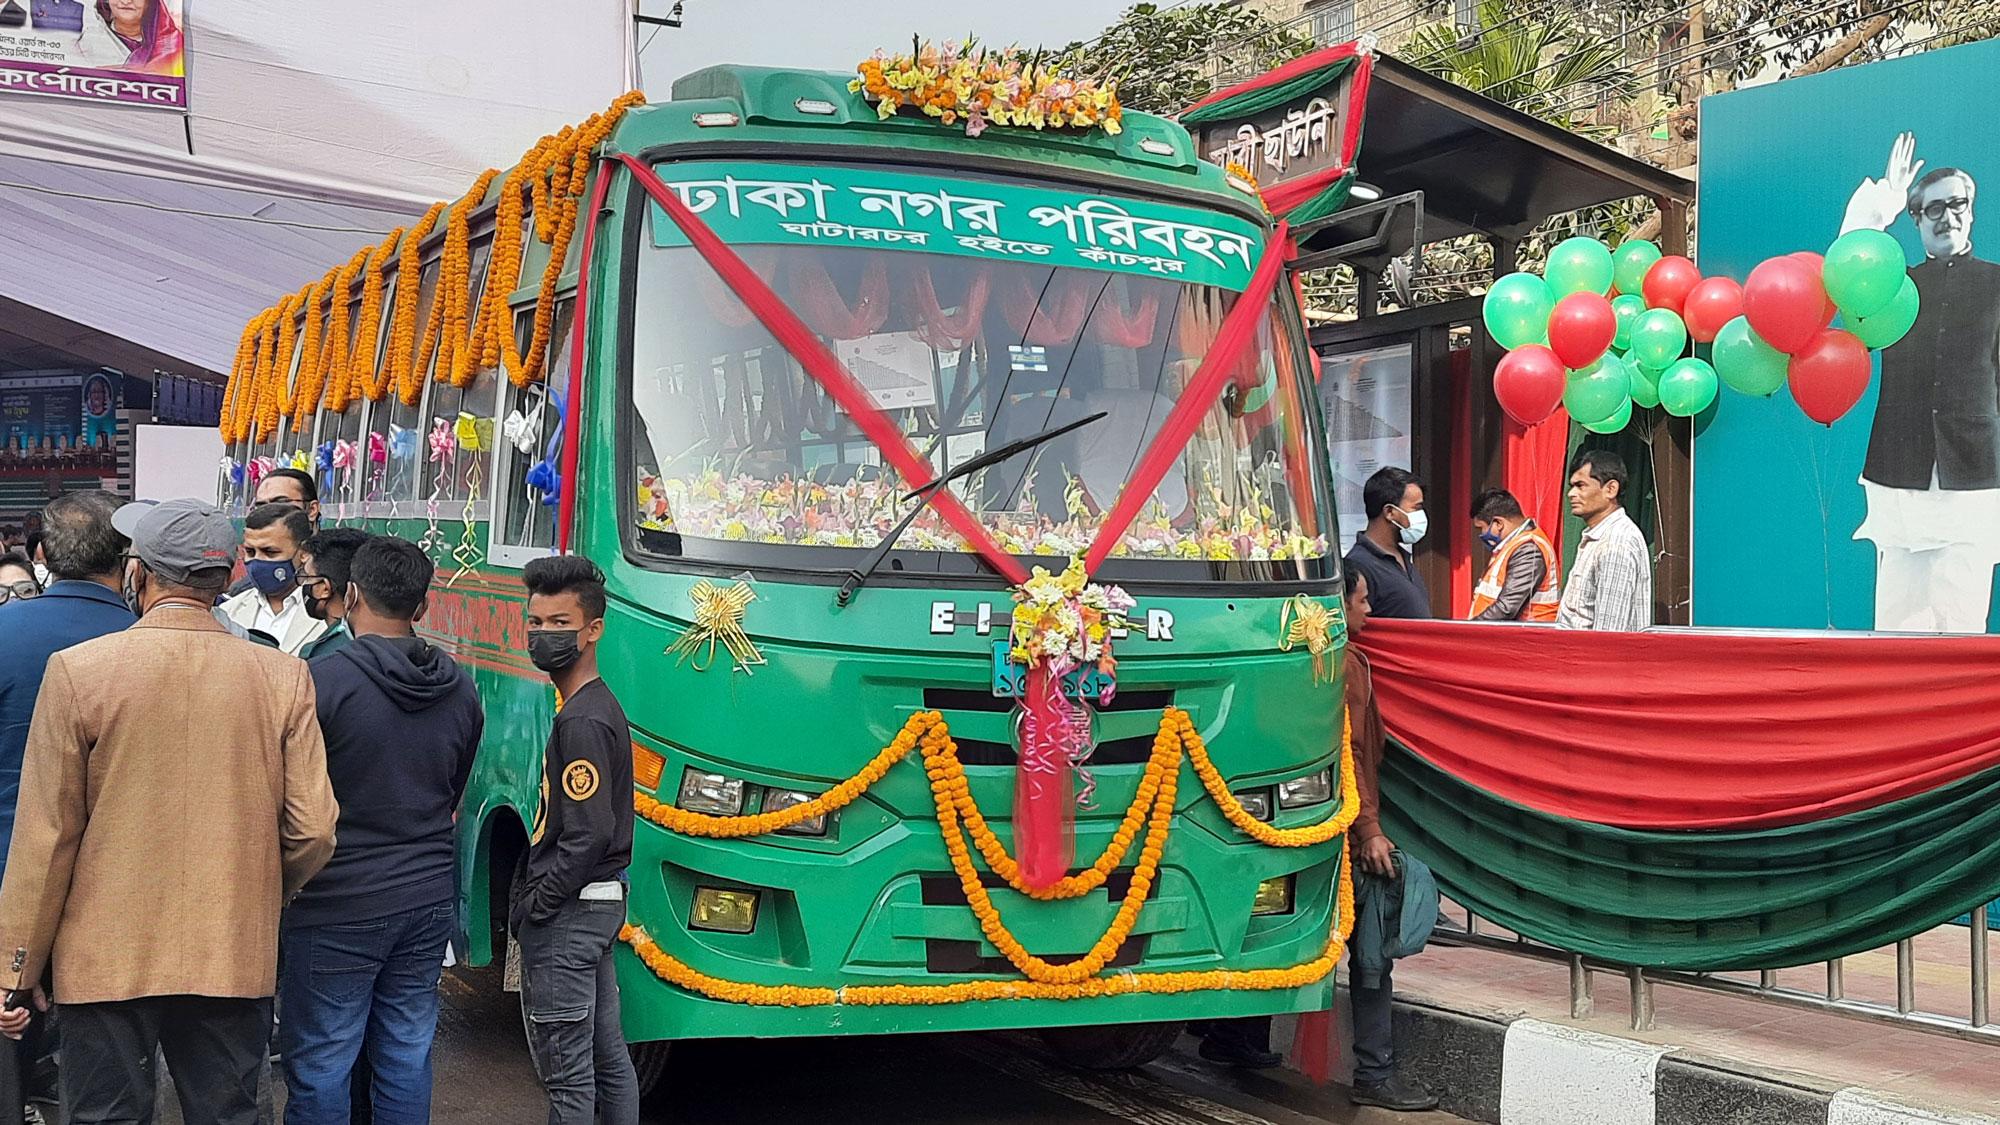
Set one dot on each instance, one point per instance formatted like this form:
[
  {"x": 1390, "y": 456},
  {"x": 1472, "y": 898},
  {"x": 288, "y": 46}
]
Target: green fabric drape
[
  {"x": 1252, "y": 102},
  {"x": 1328, "y": 201},
  {"x": 1702, "y": 900}
]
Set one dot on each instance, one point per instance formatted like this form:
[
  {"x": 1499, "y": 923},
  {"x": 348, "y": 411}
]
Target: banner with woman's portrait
[{"x": 132, "y": 52}]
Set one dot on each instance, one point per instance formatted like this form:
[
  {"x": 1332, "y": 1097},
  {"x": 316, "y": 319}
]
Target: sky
[{"x": 835, "y": 34}]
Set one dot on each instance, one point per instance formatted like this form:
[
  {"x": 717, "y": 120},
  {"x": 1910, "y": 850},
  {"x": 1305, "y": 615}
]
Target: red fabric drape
[
  {"x": 580, "y": 329},
  {"x": 1689, "y": 729},
  {"x": 1238, "y": 332},
  {"x": 1532, "y": 460},
  {"x": 793, "y": 335}
]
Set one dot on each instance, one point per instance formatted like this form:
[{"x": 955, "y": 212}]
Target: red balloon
[
  {"x": 1581, "y": 328},
  {"x": 1668, "y": 282},
  {"x": 1712, "y": 303},
  {"x": 1829, "y": 375},
  {"x": 1785, "y": 303},
  {"x": 1529, "y": 383},
  {"x": 1817, "y": 262}
]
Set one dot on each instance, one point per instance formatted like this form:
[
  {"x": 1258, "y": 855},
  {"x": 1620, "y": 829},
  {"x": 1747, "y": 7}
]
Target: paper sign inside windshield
[{"x": 884, "y": 209}]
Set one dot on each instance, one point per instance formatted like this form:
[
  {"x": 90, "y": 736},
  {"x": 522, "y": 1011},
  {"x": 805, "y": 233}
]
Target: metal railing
[{"x": 1977, "y": 1026}]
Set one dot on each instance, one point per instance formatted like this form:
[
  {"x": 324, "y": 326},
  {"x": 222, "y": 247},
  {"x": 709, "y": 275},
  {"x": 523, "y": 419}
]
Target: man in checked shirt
[{"x": 1611, "y": 583}]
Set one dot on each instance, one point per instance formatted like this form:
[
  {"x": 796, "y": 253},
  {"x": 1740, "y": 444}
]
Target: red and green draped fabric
[
  {"x": 1692, "y": 799},
  {"x": 1323, "y": 192}
]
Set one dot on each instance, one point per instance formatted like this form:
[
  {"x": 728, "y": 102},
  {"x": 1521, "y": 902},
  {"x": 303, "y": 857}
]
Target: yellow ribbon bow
[
  {"x": 718, "y": 619},
  {"x": 474, "y": 433},
  {"x": 1303, "y": 621}
]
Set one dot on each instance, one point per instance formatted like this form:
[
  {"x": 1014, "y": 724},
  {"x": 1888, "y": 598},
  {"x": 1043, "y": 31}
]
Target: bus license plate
[{"x": 1010, "y": 679}]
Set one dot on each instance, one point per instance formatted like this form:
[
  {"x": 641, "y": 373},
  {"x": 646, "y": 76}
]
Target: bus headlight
[
  {"x": 1274, "y": 896},
  {"x": 711, "y": 793},
  {"x": 1256, "y": 802},
  {"x": 724, "y": 910},
  {"x": 1312, "y": 789},
  {"x": 778, "y": 800}
]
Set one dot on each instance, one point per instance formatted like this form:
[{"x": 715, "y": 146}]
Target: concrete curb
[{"x": 1512, "y": 1070}]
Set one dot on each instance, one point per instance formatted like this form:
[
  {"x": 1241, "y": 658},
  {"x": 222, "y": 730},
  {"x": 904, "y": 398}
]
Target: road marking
[
  {"x": 1855, "y": 1106},
  {"x": 1556, "y": 1075},
  {"x": 1102, "y": 1092}
]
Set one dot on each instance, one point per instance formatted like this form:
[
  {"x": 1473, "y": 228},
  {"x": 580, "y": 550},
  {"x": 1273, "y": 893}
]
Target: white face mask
[
  {"x": 1414, "y": 533},
  {"x": 42, "y": 575}
]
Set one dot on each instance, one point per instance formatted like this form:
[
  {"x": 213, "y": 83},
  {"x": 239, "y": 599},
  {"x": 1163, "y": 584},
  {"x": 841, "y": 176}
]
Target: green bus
[{"x": 773, "y": 628}]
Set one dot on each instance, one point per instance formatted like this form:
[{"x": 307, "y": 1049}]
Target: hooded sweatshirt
[{"x": 402, "y": 722}]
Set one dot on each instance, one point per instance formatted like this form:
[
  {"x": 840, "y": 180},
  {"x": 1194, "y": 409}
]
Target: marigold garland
[
  {"x": 958, "y": 816},
  {"x": 288, "y": 338},
  {"x": 338, "y": 340},
  {"x": 364, "y": 373},
  {"x": 457, "y": 340},
  {"x": 404, "y": 371},
  {"x": 312, "y": 376}
]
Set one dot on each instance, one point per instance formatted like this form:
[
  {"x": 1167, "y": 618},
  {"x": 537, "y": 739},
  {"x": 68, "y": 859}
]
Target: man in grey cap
[{"x": 173, "y": 794}]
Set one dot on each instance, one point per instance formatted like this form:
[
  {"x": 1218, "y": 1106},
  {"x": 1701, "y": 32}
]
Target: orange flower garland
[
  {"x": 288, "y": 338},
  {"x": 333, "y": 354},
  {"x": 952, "y": 795},
  {"x": 364, "y": 373},
  {"x": 266, "y": 411},
  {"x": 312, "y": 376},
  {"x": 455, "y": 340},
  {"x": 404, "y": 371}
]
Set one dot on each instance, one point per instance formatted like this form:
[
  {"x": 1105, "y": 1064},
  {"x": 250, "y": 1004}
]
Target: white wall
[{"x": 169, "y": 462}]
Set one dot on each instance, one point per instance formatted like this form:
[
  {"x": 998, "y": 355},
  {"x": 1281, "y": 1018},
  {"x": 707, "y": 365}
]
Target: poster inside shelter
[
  {"x": 132, "y": 52},
  {"x": 1890, "y": 518}
]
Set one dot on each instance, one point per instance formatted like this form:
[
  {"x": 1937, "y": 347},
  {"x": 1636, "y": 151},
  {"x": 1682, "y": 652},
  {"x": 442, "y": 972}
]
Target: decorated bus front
[{"x": 893, "y": 776}]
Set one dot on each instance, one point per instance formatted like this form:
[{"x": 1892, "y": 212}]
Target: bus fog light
[
  {"x": 1256, "y": 802},
  {"x": 711, "y": 793},
  {"x": 778, "y": 800},
  {"x": 1312, "y": 789},
  {"x": 1274, "y": 896},
  {"x": 725, "y": 911}
]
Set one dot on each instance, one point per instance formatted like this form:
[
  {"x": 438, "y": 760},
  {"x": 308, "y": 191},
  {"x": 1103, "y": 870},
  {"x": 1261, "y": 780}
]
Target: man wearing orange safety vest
[{"x": 1521, "y": 582}]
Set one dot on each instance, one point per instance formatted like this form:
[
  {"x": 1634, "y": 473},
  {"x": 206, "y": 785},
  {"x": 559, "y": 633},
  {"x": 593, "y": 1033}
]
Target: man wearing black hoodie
[{"x": 364, "y": 942}]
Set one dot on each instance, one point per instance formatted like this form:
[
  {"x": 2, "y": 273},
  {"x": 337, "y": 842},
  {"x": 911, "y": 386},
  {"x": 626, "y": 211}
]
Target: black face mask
[
  {"x": 552, "y": 650},
  {"x": 315, "y": 607}
]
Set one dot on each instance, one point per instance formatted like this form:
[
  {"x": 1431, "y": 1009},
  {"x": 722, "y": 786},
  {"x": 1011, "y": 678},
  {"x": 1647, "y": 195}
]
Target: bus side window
[{"x": 529, "y": 435}]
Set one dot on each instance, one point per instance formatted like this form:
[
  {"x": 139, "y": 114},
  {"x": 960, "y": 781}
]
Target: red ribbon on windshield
[
  {"x": 793, "y": 335},
  {"x": 1238, "y": 329}
]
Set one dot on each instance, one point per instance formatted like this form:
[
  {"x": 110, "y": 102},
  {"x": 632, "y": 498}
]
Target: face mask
[
  {"x": 131, "y": 591},
  {"x": 1491, "y": 540},
  {"x": 1412, "y": 534},
  {"x": 271, "y": 576},
  {"x": 552, "y": 650},
  {"x": 316, "y": 607},
  {"x": 42, "y": 575}
]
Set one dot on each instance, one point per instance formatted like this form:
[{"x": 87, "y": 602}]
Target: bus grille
[{"x": 980, "y": 752}]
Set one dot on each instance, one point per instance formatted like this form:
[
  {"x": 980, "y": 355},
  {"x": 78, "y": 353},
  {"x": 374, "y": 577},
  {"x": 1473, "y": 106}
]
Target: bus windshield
[{"x": 740, "y": 457}]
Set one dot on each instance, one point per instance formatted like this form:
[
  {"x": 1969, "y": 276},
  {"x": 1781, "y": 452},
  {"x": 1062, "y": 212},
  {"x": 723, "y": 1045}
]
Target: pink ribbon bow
[
  {"x": 442, "y": 440},
  {"x": 378, "y": 449},
  {"x": 343, "y": 454}
]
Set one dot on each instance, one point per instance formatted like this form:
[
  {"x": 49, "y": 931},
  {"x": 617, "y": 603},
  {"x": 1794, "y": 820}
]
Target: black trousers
[
  {"x": 569, "y": 999},
  {"x": 214, "y": 1048}
]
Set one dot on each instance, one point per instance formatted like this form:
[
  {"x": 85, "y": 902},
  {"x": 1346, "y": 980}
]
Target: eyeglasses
[
  {"x": 1935, "y": 209},
  {"x": 24, "y": 590}
]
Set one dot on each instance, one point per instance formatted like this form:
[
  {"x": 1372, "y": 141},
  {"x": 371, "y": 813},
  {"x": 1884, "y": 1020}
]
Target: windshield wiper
[{"x": 923, "y": 495}]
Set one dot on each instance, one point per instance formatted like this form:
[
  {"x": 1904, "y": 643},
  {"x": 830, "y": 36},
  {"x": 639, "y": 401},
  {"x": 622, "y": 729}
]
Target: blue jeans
[{"x": 362, "y": 985}]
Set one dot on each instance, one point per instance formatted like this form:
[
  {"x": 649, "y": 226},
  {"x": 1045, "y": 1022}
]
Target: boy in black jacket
[{"x": 363, "y": 944}]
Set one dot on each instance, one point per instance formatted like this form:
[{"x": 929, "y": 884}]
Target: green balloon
[
  {"x": 1645, "y": 386},
  {"x": 1745, "y": 362},
  {"x": 1630, "y": 262},
  {"x": 1659, "y": 337},
  {"x": 1578, "y": 265},
  {"x": 1688, "y": 387},
  {"x": 1517, "y": 310},
  {"x": 1864, "y": 270},
  {"x": 1593, "y": 394},
  {"x": 1892, "y": 322},
  {"x": 1618, "y": 420},
  {"x": 1627, "y": 307}
]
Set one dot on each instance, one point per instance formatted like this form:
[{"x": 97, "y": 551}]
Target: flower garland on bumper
[{"x": 959, "y": 817}]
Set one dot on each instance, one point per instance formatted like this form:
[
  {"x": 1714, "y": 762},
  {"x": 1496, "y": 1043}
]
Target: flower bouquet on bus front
[
  {"x": 1062, "y": 624},
  {"x": 985, "y": 86}
]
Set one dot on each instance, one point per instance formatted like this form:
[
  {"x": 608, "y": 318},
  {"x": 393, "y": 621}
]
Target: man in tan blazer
[{"x": 173, "y": 795}]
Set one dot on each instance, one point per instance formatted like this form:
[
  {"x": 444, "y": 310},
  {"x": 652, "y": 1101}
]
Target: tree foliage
[
  {"x": 1549, "y": 66},
  {"x": 1163, "y": 59}
]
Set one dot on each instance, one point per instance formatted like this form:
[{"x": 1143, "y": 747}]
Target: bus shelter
[{"x": 1408, "y": 383}]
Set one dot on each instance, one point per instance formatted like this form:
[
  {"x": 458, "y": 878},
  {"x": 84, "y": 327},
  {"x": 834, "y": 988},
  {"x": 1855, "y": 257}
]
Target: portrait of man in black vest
[{"x": 1932, "y": 474}]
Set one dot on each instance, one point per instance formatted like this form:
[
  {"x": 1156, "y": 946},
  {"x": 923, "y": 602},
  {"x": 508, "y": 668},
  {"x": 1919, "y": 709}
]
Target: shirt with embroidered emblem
[
  {"x": 1610, "y": 587},
  {"x": 583, "y": 830}
]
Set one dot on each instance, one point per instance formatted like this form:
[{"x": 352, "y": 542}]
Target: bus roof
[{"x": 791, "y": 109}]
